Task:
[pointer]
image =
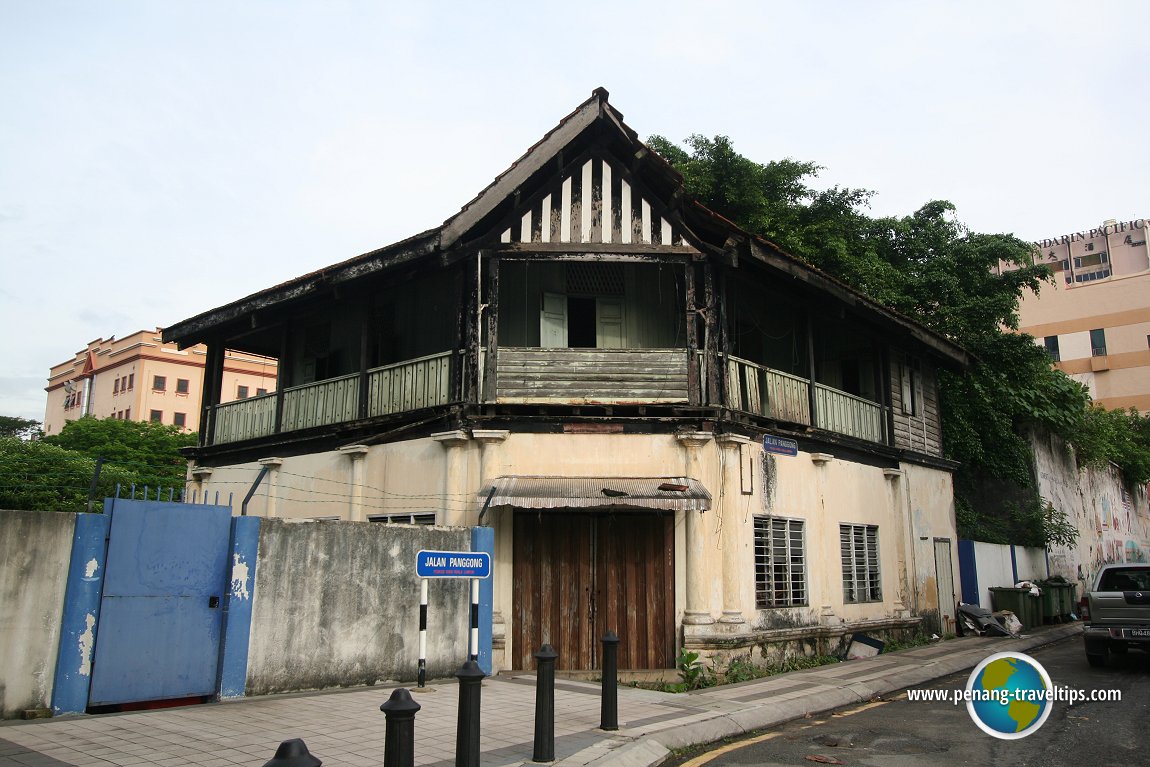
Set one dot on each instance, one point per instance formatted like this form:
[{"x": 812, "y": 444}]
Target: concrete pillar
[
  {"x": 455, "y": 501},
  {"x": 273, "y": 465},
  {"x": 201, "y": 475},
  {"x": 698, "y": 611},
  {"x": 489, "y": 440},
  {"x": 736, "y": 571},
  {"x": 355, "y": 507}
]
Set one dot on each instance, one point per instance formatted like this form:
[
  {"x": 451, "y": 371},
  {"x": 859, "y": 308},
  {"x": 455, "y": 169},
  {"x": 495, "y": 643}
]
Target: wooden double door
[{"x": 579, "y": 574}]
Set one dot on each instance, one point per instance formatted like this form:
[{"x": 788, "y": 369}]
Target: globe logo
[{"x": 1009, "y": 695}]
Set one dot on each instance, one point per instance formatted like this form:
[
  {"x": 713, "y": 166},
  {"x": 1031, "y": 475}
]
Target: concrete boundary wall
[
  {"x": 1112, "y": 516},
  {"x": 35, "y": 548},
  {"x": 336, "y": 604},
  {"x": 989, "y": 565}
]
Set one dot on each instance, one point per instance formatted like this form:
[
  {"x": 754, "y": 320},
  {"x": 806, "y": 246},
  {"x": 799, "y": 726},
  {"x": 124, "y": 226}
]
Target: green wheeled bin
[
  {"x": 1027, "y": 608},
  {"x": 1051, "y": 599}
]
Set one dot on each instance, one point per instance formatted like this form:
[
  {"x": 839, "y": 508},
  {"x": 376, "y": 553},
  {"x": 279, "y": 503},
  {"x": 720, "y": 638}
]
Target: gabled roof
[{"x": 594, "y": 127}]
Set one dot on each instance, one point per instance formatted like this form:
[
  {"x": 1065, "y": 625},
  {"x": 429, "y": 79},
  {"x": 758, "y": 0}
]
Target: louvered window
[
  {"x": 862, "y": 581},
  {"x": 780, "y": 563},
  {"x": 425, "y": 518}
]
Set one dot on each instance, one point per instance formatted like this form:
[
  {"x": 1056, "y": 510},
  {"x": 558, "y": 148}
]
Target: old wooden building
[{"x": 679, "y": 431}]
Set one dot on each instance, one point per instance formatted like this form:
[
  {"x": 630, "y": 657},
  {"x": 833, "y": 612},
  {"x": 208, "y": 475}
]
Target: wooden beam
[{"x": 490, "y": 379}]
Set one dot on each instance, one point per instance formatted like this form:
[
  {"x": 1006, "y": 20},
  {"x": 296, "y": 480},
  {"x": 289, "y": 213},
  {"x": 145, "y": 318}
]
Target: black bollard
[
  {"x": 293, "y": 753},
  {"x": 609, "y": 708},
  {"x": 470, "y": 678},
  {"x": 399, "y": 736},
  {"x": 545, "y": 705}
]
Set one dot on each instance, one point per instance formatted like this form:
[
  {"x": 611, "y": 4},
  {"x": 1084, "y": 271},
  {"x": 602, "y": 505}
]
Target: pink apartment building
[
  {"x": 141, "y": 378},
  {"x": 1095, "y": 319}
]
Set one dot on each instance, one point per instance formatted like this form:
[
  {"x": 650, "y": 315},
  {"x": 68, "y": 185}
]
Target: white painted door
[
  {"x": 610, "y": 330},
  {"x": 553, "y": 321}
]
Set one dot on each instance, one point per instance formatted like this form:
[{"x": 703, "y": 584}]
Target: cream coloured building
[
  {"x": 141, "y": 378},
  {"x": 1095, "y": 319},
  {"x": 678, "y": 432}
]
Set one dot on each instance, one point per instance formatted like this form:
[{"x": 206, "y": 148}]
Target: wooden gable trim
[
  {"x": 596, "y": 203},
  {"x": 577, "y": 198},
  {"x": 536, "y": 158}
]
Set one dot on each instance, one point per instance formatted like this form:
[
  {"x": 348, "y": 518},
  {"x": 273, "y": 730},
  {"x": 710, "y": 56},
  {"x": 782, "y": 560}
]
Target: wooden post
[
  {"x": 715, "y": 337},
  {"x": 490, "y": 379},
  {"x": 694, "y": 395}
]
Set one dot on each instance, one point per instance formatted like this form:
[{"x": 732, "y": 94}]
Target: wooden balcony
[
  {"x": 760, "y": 390},
  {"x": 756, "y": 389},
  {"x": 591, "y": 376},
  {"x": 397, "y": 388}
]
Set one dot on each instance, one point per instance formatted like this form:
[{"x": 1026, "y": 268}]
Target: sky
[{"x": 161, "y": 159}]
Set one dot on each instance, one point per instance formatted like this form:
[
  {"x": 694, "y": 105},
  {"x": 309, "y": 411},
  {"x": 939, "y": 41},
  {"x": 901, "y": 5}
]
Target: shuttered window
[
  {"x": 780, "y": 563},
  {"x": 862, "y": 581}
]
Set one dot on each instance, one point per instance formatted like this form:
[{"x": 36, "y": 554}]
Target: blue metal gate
[{"x": 161, "y": 611}]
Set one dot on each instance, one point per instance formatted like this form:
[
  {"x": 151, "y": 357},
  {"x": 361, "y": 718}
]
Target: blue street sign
[
  {"x": 453, "y": 564},
  {"x": 780, "y": 445}
]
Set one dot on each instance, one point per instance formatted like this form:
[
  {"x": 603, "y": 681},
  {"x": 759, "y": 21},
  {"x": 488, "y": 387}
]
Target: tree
[
  {"x": 929, "y": 266},
  {"x": 37, "y": 476},
  {"x": 23, "y": 428},
  {"x": 150, "y": 451}
]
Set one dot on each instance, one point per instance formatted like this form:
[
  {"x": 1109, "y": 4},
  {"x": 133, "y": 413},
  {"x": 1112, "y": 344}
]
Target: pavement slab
[{"x": 345, "y": 728}]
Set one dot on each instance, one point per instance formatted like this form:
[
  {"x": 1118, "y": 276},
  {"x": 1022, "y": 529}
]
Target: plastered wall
[
  {"x": 35, "y": 549},
  {"x": 337, "y": 604},
  {"x": 912, "y": 505}
]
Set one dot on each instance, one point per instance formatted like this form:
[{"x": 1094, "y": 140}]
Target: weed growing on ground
[{"x": 917, "y": 640}]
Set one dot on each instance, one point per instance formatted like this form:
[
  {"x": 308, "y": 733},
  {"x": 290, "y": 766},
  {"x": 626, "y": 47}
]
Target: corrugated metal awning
[{"x": 665, "y": 493}]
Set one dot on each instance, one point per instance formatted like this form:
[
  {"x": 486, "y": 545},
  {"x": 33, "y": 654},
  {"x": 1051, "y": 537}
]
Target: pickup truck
[{"x": 1117, "y": 611}]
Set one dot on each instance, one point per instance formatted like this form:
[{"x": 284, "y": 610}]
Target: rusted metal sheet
[{"x": 642, "y": 493}]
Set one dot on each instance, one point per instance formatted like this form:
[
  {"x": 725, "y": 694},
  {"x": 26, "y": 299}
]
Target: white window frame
[
  {"x": 780, "y": 562},
  {"x": 862, "y": 575}
]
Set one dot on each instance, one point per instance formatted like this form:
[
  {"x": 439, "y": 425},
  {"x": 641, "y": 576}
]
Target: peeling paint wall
[
  {"x": 35, "y": 549},
  {"x": 912, "y": 505},
  {"x": 337, "y": 604},
  {"x": 1113, "y": 519}
]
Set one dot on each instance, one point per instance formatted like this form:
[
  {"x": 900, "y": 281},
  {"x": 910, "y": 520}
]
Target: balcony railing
[
  {"x": 397, "y": 388},
  {"x": 756, "y": 389},
  {"x": 760, "y": 390},
  {"x": 847, "y": 414},
  {"x": 409, "y": 385},
  {"x": 245, "y": 418}
]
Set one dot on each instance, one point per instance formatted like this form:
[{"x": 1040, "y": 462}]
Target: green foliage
[
  {"x": 693, "y": 671},
  {"x": 1057, "y": 527},
  {"x": 742, "y": 670},
  {"x": 1116, "y": 436},
  {"x": 149, "y": 450},
  {"x": 918, "y": 640},
  {"x": 930, "y": 267},
  {"x": 24, "y": 428},
  {"x": 37, "y": 476}
]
